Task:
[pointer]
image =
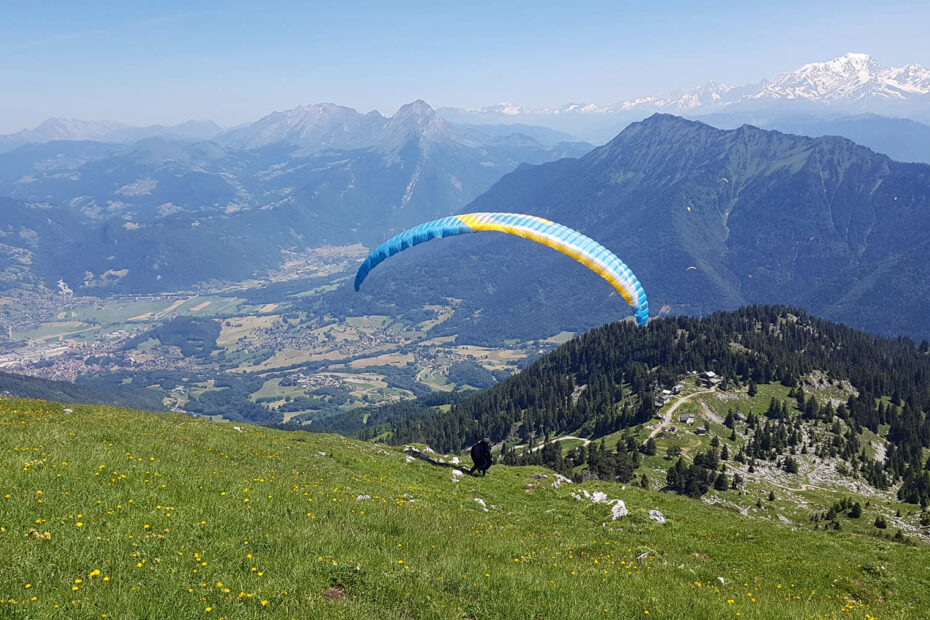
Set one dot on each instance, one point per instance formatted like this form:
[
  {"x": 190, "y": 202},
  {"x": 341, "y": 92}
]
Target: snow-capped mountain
[
  {"x": 849, "y": 80},
  {"x": 506, "y": 112},
  {"x": 852, "y": 78},
  {"x": 854, "y": 82}
]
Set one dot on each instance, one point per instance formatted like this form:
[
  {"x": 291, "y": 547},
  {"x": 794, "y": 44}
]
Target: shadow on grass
[{"x": 433, "y": 460}]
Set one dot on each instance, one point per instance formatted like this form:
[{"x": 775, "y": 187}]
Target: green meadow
[{"x": 113, "y": 513}]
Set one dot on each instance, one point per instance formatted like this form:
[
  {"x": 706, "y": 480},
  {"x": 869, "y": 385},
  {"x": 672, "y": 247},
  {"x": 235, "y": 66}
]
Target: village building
[{"x": 709, "y": 378}]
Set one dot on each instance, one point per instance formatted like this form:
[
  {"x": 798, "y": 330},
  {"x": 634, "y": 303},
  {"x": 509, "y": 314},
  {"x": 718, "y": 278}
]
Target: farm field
[{"x": 264, "y": 332}]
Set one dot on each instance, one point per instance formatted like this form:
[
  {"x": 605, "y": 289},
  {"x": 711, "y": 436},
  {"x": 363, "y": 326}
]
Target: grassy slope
[
  {"x": 181, "y": 514},
  {"x": 813, "y": 490}
]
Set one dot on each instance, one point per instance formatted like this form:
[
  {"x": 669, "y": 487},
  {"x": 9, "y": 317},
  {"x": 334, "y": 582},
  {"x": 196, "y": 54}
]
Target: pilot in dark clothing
[{"x": 481, "y": 455}]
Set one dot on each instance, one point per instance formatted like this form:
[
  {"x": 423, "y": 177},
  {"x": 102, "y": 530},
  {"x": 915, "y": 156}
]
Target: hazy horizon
[{"x": 146, "y": 65}]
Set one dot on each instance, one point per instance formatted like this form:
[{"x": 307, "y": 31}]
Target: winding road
[
  {"x": 667, "y": 419},
  {"x": 581, "y": 439}
]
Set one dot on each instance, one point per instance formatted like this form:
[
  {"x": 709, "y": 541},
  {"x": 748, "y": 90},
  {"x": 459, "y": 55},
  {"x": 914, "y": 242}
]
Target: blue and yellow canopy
[{"x": 565, "y": 240}]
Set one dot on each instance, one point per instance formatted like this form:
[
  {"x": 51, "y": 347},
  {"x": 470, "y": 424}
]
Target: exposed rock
[
  {"x": 617, "y": 506},
  {"x": 559, "y": 479}
]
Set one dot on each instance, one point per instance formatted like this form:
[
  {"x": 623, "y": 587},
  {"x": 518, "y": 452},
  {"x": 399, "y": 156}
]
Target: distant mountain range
[
  {"x": 852, "y": 84},
  {"x": 707, "y": 219},
  {"x": 106, "y": 131},
  {"x": 853, "y": 79},
  {"x": 162, "y": 213}
]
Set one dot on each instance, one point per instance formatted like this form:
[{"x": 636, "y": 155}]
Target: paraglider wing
[{"x": 567, "y": 241}]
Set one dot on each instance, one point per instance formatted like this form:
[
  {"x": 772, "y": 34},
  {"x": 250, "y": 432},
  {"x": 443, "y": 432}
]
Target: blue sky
[{"x": 166, "y": 62}]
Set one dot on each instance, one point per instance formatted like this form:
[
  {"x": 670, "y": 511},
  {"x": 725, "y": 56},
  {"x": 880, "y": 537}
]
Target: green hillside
[{"x": 112, "y": 513}]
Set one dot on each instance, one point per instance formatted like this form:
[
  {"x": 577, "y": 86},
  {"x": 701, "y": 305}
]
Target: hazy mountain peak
[
  {"x": 315, "y": 126},
  {"x": 418, "y": 118},
  {"x": 418, "y": 108},
  {"x": 57, "y": 128}
]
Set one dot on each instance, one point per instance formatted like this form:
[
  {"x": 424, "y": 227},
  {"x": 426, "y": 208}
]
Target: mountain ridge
[
  {"x": 707, "y": 219},
  {"x": 167, "y": 213}
]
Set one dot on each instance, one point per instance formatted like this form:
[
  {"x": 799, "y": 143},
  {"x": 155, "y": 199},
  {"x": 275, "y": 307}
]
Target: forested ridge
[{"x": 605, "y": 381}]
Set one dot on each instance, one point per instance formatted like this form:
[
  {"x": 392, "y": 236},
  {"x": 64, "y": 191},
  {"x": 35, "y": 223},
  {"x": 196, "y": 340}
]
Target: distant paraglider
[{"x": 561, "y": 238}]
